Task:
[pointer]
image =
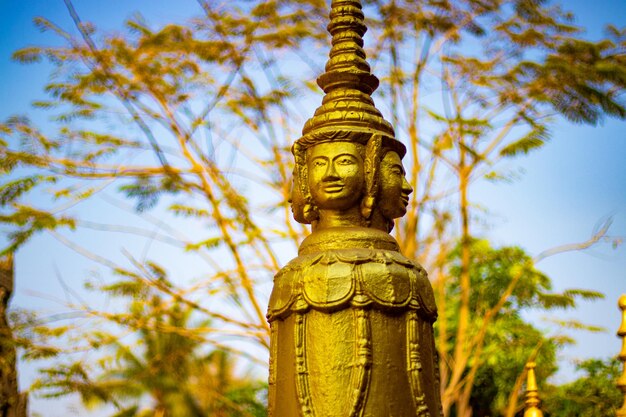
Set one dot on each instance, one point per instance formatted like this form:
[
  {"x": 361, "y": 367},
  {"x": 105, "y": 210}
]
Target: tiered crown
[{"x": 348, "y": 112}]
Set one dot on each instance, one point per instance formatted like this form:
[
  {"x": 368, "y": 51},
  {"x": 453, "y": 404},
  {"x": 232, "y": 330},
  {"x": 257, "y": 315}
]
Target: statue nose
[
  {"x": 406, "y": 187},
  {"x": 330, "y": 174}
]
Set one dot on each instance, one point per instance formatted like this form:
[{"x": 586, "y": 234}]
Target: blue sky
[{"x": 566, "y": 188}]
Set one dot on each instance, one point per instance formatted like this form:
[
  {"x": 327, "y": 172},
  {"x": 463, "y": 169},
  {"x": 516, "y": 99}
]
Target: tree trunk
[{"x": 12, "y": 403}]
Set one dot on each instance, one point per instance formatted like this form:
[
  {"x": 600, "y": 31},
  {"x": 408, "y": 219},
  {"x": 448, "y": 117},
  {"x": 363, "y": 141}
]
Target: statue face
[
  {"x": 336, "y": 178},
  {"x": 394, "y": 188}
]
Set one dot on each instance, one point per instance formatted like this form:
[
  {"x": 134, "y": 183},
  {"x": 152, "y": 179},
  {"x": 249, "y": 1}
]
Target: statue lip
[
  {"x": 405, "y": 200},
  {"x": 333, "y": 187}
]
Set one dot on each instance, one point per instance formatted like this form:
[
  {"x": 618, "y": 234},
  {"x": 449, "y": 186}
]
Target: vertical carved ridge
[
  {"x": 360, "y": 380},
  {"x": 272, "y": 366},
  {"x": 302, "y": 373},
  {"x": 414, "y": 365}
]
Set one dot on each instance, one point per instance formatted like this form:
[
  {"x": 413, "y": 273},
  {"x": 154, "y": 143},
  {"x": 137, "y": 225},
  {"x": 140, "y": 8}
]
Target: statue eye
[
  {"x": 319, "y": 163},
  {"x": 345, "y": 161}
]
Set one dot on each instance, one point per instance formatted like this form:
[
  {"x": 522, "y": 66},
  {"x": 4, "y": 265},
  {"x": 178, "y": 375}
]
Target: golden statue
[{"x": 351, "y": 317}]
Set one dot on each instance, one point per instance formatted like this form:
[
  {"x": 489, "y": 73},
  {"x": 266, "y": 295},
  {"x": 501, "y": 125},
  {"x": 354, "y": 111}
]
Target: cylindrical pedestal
[{"x": 352, "y": 331}]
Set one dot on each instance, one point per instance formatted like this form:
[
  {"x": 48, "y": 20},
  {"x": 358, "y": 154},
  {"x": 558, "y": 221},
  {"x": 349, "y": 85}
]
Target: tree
[
  {"x": 12, "y": 402},
  {"x": 505, "y": 285},
  {"x": 506, "y": 68},
  {"x": 184, "y": 95},
  {"x": 164, "y": 83},
  {"x": 166, "y": 364},
  {"x": 593, "y": 394},
  {"x": 188, "y": 96}
]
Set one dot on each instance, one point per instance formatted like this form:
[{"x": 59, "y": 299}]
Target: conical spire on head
[
  {"x": 347, "y": 67},
  {"x": 347, "y": 112}
]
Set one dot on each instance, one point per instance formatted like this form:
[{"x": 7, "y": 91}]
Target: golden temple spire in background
[
  {"x": 621, "y": 332},
  {"x": 532, "y": 397}
]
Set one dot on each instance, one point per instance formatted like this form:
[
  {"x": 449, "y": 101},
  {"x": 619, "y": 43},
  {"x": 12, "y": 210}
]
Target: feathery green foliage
[
  {"x": 193, "y": 123},
  {"x": 592, "y": 394}
]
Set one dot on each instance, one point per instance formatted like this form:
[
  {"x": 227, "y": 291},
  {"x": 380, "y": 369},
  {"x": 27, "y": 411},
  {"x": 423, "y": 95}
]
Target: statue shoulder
[{"x": 336, "y": 279}]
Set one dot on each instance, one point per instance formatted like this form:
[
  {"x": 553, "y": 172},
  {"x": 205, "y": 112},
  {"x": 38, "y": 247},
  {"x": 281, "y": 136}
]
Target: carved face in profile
[
  {"x": 296, "y": 199},
  {"x": 335, "y": 175},
  {"x": 394, "y": 190}
]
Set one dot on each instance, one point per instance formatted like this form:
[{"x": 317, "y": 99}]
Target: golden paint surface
[{"x": 351, "y": 317}]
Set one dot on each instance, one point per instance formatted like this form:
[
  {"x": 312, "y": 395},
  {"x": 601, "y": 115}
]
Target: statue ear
[
  {"x": 373, "y": 151},
  {"x": 367, "y": 206}
]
